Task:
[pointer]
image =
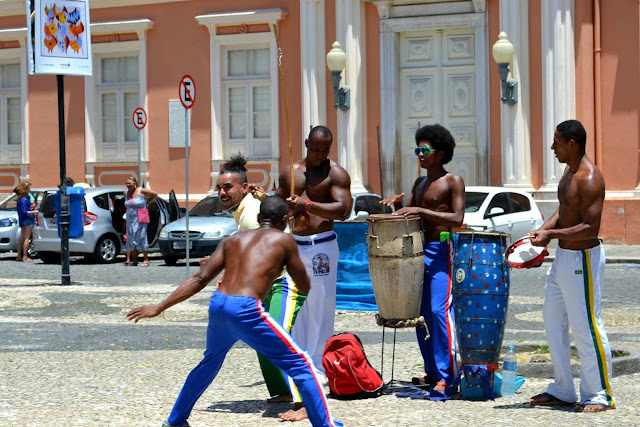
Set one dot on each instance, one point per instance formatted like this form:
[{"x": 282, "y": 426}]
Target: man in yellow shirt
[
  {"x": 284, "y": 300},
  {"x": 233, "y": 191}
]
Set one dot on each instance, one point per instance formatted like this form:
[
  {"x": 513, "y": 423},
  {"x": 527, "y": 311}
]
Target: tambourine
[
  {"x": 523, "y": 254},
  {"x": 301, "y": 221}
]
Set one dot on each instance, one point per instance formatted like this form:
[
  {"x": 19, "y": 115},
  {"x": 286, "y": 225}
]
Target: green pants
[{"x": 283, "y": 303}]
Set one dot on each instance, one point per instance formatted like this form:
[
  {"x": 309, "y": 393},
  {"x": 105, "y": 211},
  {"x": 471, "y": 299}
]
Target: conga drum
[
  {"x": 480, "y": 298},
  {"x": 396, "y": 264}
]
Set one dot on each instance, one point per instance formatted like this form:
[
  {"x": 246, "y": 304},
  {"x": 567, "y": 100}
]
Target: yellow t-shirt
[{"x": 246, "y": 216}]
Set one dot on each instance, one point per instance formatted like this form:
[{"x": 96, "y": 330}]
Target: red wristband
[{"x": 307, "y": 205}]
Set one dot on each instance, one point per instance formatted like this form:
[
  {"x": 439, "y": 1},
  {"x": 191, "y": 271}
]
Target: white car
[
  {"x": 365, "y": 204},
  {"x": 501, "y": 209}
]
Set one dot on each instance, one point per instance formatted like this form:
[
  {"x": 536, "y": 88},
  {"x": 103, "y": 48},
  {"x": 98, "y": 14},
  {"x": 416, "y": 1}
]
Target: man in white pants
[
  {"x": 573, "y": 290},
  {"x": 321, "y": 195}
]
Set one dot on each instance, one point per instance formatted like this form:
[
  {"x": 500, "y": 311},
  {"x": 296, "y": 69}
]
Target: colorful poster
[{"x": 61, "y": 43}]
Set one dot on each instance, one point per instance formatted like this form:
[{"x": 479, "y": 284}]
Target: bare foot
[
  {"x": 298, "y": 413},
  {"x": 546, "y": 399},
  {"x": 281, "y": 398},
  {"x": 440, "y": 386},
  {"x": 591, "y": 407},
  {"x": 26, "y": 259}
]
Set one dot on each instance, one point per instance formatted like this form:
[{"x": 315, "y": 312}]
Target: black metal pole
[{"x": 64, "y": 197}]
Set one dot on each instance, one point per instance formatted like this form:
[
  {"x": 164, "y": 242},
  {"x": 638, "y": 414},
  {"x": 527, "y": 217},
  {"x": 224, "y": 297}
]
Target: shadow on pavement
[
  {"x": 527, "y": 405},
  {"x": 271, "y": 410}
]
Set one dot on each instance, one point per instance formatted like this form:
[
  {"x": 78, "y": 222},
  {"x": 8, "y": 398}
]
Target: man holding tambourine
[{"x": 573, "y": 289}]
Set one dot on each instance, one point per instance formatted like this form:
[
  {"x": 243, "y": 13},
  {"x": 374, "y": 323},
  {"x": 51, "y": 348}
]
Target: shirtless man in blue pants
[{"x": 252, "y": 260}]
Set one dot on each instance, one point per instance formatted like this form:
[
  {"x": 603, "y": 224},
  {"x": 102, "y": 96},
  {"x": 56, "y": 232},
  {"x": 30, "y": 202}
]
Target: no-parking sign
[
  {"x": 139, "y": 118},
  {"x": 187, "y": 91}
]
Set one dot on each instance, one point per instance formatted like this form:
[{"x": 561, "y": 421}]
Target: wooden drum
[{"x": 396, "y": 264}]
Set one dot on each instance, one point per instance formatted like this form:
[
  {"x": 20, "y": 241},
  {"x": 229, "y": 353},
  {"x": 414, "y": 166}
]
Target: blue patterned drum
[{"x": 480, "y": 295}]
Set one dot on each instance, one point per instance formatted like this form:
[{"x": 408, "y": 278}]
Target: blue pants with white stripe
[
  {"x": 439, "y": 351},
  {"x": 233, "y": 318}
]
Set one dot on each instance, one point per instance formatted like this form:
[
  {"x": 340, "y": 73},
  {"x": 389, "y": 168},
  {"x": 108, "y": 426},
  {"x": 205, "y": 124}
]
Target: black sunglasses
[{"x": 424, "y": 150}]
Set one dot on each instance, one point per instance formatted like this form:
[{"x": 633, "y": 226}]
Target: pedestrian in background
[
  {"x": 136, "y": 201},
  {"x": 26, "y": 220}
]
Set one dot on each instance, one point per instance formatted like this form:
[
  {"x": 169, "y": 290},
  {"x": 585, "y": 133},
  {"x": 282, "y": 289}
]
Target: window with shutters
[
  {"x": 247, "y": 101},
  {"x": 118, "y": 95},
  {"x": 11, "y": 117}
]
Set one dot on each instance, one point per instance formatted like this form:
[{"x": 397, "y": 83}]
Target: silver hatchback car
[
  {"x": 209, "y": 224},
  {"x": 103, "y": 225}
]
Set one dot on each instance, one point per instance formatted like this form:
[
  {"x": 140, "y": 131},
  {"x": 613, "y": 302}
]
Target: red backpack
[{"x": 350, "y": 374}]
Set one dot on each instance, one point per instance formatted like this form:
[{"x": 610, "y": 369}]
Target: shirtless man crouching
[
  {"x": 251, "y": 260},
  {"x": 573, "y": 289}
]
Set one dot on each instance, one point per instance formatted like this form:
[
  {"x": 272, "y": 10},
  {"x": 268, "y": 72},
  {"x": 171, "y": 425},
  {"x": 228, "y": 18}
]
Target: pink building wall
[{"x": 177, "y": 44}]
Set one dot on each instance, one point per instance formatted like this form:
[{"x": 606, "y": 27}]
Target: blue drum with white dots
[{"x": 480, "y": 295}]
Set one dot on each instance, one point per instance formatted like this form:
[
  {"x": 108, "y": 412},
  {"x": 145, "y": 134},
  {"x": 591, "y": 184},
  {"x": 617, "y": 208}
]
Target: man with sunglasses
[{"x": 438, "y": 198}]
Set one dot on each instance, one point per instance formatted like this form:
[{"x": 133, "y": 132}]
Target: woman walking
[
  {"x": 26, "y": 220},
  {"x": 136, "y": 200}
]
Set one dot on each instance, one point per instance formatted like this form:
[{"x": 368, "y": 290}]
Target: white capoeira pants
[
  {"x": 573, "y": 293},
  {"x": 314, "y": 324}
]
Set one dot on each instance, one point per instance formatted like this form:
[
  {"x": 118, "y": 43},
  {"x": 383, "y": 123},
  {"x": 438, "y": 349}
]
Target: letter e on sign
[
  {"x": 139, "y": 118},
  {"x": 187, "y": 91}
]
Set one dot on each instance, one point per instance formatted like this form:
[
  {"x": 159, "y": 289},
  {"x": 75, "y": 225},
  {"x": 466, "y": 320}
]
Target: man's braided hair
[{"x": 236, "y": 164}]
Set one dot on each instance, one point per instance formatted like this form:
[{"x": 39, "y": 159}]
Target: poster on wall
[{"x": 60, "y": 39}]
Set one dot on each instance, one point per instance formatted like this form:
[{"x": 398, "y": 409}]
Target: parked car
[
  {"x": 9, "y": 229},
  {"x": 103, "y": 225},
  {"x": 501, "y": 209},
  {"x": 209, "y": 224},
  {"x": 365, "y": 204}
]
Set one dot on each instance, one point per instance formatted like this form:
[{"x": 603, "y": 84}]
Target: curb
[
  {"x": 609, "y": 260},
  {"x": 625, "y": 365}
]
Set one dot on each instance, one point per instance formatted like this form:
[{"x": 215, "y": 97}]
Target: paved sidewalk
[{"x": 68, "y": 357}]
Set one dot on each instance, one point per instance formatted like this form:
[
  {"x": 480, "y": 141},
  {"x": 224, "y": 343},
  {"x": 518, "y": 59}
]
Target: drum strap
[
  {"x": 402, "y": 323},
  {"x": 476, "y": 370},
  {"x": 473, "y": 235}
]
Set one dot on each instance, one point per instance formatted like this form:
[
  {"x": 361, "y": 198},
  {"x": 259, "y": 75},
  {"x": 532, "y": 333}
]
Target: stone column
[
  {"x": 558, "y": 82},
  {"x": 313, "y": 65},
  {"x": 516, "y": 147},
  {"x": 352, "y": 123}
]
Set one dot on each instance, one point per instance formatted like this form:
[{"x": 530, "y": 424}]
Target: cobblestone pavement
[{"x": 68, "y": 356}]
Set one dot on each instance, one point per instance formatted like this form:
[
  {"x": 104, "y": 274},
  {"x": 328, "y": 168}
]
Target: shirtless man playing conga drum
[
  {"x": 573, "y": 290},
  {"x": 438, "y": 198}
]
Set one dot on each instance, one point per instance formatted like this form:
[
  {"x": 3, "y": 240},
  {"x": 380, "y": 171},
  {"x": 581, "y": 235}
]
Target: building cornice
[
  {"x": 138, "y": 26},
  {"x": 264, "y": 16},
  {"x": 13, "y": 33},
  {"x": 405, "y": 8}
]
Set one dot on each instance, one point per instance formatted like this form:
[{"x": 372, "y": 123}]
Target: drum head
[
  {"x": 390, "y": 217},
  {"x": 523, "y": 254},
  {"x": 467, "y": 232}
]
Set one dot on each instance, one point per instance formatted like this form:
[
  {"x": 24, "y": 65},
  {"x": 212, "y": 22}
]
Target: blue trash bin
[{"x": 76, "y": 211}]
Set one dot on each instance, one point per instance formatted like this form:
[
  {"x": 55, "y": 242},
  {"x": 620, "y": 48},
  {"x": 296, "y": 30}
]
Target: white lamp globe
[
  {"x": 336, "y": 58},
  {"x": 502, "y": 49}
]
